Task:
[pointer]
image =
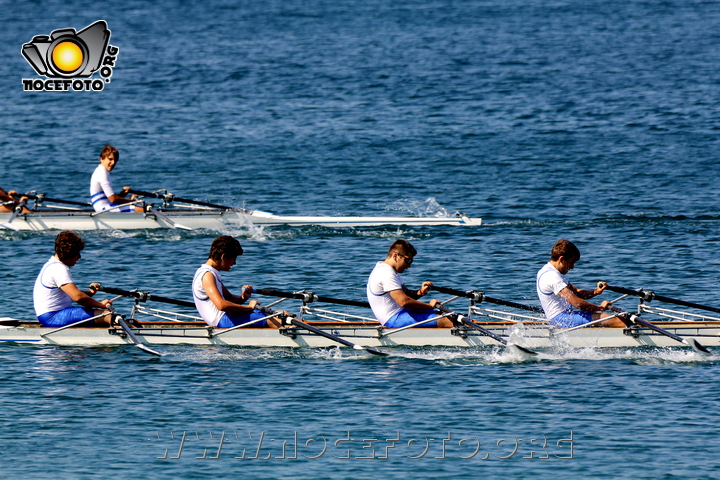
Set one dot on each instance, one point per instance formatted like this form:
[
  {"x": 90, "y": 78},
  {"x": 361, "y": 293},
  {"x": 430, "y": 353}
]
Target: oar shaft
[
  {"x": 653, "y": 296},
  {"x": 143, "y": 296},
  {"x": 294, "y": 321},
  {"x": 56, "y": 200},
  {"x": 309, "y": 297},
  {"x": 460, "y": 293},
  {"x": 183, "y": 200},
  {"x": 317, "y": 331}
]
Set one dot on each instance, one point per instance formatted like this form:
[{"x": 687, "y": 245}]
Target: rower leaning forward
[
  {"x": 565, "y": 305},
  {"x": 216, "y": 305},
  {"x": 394, "y": 304},
  {"x": 55, "y": 290}
]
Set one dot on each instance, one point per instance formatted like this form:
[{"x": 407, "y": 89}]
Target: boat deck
[{"x": 533, "y": 335}]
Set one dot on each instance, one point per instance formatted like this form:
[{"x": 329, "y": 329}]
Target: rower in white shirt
[
  {"x": 55, "y": 290},
  {"x": 565, "y": 305},
  {"x": 102, "y": 195},
  {"x": 393, "y": 304}
]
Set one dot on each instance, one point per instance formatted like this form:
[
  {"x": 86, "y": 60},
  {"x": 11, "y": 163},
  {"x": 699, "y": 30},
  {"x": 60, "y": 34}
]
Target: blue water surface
[{"x": 596, "y": 121}]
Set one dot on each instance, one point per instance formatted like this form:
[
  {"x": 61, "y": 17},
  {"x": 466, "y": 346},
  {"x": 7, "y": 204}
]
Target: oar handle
[
  {"x": 480, "y": 297},
  {"x": 145, "y": 296},
  {"x": 309, "y": 297},
  {"x": 171, "y": 197},
  {"x": 650, "y": 295}
]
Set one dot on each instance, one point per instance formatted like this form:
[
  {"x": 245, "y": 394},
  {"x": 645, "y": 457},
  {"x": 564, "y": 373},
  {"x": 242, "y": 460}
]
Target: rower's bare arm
[
  {"x": 586, "y": 294},
  {"x": 221, "y": 303},
  {"x": 568, "y": 293},
  {"x": 405, "y": 301},
  {"x": 83, "y": 298}
]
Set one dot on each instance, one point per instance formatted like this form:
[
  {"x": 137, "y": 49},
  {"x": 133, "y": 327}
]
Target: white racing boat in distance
[{"x": 56, "y": 214}]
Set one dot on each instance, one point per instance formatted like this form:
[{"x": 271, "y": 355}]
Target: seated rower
[
  {"x": 565, "y": 305},
  {"x": 216, "y": 305},
  {"x": 393, "y": 304},
  {"x": 55, "y": 291},
  {"x": 102, "y": 195},
  {"x": 9, "y": 201}
]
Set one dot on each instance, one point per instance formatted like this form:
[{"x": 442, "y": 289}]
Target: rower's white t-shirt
[
  {"x": 383, "y": 280},
  {"x": 549, "y": 284},
  {"x": 205, "y": 307},
  {"x": 47, "y": 294},
  {"x": 101, "y": 189}
]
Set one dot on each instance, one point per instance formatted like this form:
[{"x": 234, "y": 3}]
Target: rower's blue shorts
[
  {"x": 123, "y": 208},
  {"x": 234, "y": 319},
  {"x": 571, "y": 319},
  {"x": 66, "y": 317},
  {"x": 405, "y": 317}
]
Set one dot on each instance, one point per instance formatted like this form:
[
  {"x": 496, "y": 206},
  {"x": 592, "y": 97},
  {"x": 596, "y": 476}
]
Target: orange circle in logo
[{"x": 67, "y": 56}]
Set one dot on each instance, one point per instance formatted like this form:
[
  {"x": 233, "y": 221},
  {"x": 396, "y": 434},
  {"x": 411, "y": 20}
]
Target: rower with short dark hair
[
  {"x": 216, "y": 305},
  {"x": 564, "y": 304},
  {"x": 102, "y": 195},
  {"x": 55, "y": 290},
  {"x": 393, "y": 304}
]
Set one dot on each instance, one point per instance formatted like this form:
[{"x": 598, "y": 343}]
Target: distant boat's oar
[
  {"x": 650, "y": 295},
  {"x": 167, "y": 220},
  {"x": 169, "y": 197},
  {"x": 300, "y": 324},
  {"x": 309, "y": 297},
  {"x": 145, "y": 296},
  {"x": 18, "y": 208},
  {"x": 470, "y": 324},
  {"x": 635, "y": 319},
  {"x": 479, "y": 297},
  {"x": 40, "y": 197}
]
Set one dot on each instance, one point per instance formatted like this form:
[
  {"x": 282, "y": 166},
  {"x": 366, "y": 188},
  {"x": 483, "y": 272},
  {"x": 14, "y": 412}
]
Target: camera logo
[{"x": 68, "y": 59}]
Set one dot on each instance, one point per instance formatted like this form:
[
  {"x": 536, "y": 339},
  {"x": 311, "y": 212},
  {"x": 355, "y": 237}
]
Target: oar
[
  {"x": 309, "y": 297},
  {"x": 81, "y": 322},
  {"x": 145, "y": 296},
  {"x": 169, "y": 197},
  {"x": 17, "y": 211},
  {"x": 40, "y": 197},
  {"x": 470, "y": 324},
  {"x": 650, "y": 295},
  {"x": 115, "y": 208},
  {"x": 170, "y": 222},
  {"x": 632, "y": 318},
  {"x": 121, "y": 321},
  {"x": 294, "y": 321},
  {"x": 479, "y": 297}
]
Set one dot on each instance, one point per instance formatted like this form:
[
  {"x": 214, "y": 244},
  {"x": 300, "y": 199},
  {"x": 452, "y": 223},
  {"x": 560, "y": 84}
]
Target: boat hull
[
  {"x": 533, "y": 337},
  {"x": 212, "y": 219}
]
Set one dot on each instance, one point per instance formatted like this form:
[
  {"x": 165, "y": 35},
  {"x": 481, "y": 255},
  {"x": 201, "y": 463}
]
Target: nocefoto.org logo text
[{"x": 68, "y": 59}]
